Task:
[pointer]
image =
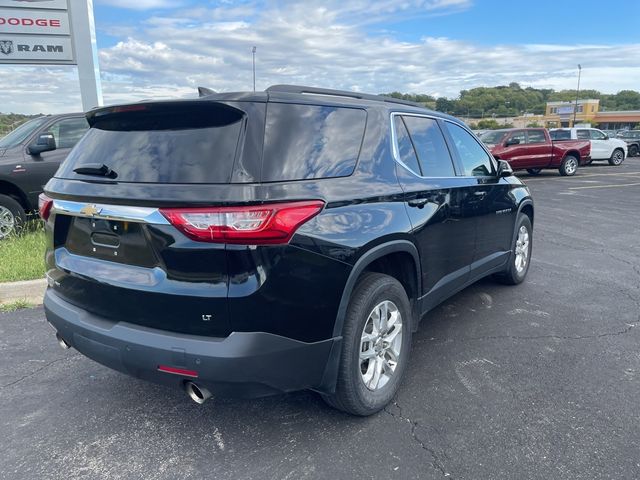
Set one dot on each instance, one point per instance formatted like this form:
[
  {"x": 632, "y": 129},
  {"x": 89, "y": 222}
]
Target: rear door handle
[
  {"x": 418, "y": 202},
  {"x": 480, "y": 193}
]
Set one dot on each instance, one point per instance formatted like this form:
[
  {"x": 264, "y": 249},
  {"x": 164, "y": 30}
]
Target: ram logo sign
[
  {"x": 6, "y": 46},
  {"x": 23, "y": 49}
]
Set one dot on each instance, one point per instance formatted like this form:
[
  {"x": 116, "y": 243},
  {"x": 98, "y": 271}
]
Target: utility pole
[
  {"x": 575, "y": 109},
  {"x": 253, "y": 51}
]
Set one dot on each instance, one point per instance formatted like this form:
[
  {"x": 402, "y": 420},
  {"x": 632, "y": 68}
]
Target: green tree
[{"x": 491, "y": 124}]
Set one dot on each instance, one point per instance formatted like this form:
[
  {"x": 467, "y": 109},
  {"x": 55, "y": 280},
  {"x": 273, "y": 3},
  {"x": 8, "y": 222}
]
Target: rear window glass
[
  {"x": 309, "y": 141},
  {"x": 161, "y": 147},
  {"x": 560, "y": 134},
  {"x": 583, "y": 134}
]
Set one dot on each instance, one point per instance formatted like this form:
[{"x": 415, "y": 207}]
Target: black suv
[
  {"x": 255, "y": 243},
  {"x": 632, "y": 137},
  {"x": 29, "y": 156}
]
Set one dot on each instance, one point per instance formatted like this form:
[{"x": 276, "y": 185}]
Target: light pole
[
  {"x": 253, "y": 51},
  {"x": 575, "y": 109}
]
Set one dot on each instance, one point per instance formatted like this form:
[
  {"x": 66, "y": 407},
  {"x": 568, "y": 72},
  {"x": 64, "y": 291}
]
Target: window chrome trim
[
  {"x": 111, "y": 212},
  {"x": 394, "y": 142}
]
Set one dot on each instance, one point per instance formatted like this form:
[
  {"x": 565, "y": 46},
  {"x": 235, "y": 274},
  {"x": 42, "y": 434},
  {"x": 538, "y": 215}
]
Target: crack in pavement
[
  {"x": 630, "y": 326},
  {"x": 436, "y": 463},
  {"x": 35, "y": 372}
]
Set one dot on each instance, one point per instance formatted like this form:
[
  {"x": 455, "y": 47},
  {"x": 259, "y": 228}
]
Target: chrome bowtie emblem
[{"x": 90, "y": 210}]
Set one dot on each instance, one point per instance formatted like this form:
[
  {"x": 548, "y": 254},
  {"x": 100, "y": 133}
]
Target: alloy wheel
[
  {"x": 522, "y": 249},
  {"x": 571, "y": 166},
  {"x": 380, "y": 345},
  {"x": 7, "y": 222},
  {"x": 618, "y": 157}
]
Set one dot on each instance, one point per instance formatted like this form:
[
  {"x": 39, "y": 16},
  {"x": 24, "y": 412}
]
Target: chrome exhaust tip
[
  {"x": 198, "y": 394},
  {"x": 62, "y": 342}
]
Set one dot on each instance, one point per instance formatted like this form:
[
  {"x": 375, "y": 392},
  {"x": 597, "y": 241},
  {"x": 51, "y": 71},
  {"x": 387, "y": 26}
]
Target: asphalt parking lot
[{"x": 536, "y": 381}]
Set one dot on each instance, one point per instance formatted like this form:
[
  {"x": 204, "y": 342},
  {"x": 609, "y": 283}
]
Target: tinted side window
[
  {"x": 475, "y": 160},
  {"x": 518, "y": 135},
  {"x": 583, "y": 134},
  {"x": 69, "y": 131},
  {"x": 405, "y": 147},
  {"x": 432, "y": 151},
  {"x": 596, "y": 135},
  {"x": 536, "y": 136},
  {"x": 310, "y": 141}
]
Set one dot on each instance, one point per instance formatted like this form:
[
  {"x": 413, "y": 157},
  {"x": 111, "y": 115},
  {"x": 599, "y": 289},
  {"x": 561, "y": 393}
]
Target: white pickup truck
[{"x": 602, "y": 146}]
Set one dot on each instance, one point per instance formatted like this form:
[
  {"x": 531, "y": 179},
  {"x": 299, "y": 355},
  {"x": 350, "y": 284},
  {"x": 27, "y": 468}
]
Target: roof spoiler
[{"x": 204, "y": 91}]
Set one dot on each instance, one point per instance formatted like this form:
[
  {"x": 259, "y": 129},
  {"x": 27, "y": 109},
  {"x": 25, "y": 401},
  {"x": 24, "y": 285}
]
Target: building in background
[
  {"x": 561, "y": 114},
  {"x": 618, "y": 120}
]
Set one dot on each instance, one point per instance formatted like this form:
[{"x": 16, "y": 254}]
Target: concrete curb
[{"x": 30, "y": 290}]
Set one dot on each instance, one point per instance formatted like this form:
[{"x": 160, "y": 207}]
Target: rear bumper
[{"x": 243, "y": 364}]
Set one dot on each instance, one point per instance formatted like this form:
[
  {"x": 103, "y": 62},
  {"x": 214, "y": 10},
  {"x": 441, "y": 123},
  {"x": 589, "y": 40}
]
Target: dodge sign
[
  {"x": 33, "y": 21},
  {"x": 53, "y": 32},
  {"x": 36, "y": 32}
]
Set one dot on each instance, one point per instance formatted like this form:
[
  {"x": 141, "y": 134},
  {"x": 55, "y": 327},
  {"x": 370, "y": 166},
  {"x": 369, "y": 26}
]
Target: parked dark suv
[
  {"x": 29, "y": 156},
  {"x": 255, "y": 243}
]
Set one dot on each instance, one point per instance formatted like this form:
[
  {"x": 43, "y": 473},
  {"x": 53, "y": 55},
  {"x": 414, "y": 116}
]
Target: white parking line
[
  {"x": 577, "y": 177},
  {"x": 606, "y": 186},
  {"x": 608, "y": 174}
]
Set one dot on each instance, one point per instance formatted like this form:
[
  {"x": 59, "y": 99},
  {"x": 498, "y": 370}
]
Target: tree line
[
  {"x": 513, "y": 100},
  {"x": 9, "y": 121}
]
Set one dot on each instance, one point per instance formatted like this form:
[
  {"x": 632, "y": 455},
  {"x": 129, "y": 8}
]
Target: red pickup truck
[{"x": 532, "y": 149}]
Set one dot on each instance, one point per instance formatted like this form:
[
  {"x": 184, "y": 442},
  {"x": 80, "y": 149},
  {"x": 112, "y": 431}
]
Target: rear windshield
[
  {"x": 309, "y": 141},
  {"x": 161, "y": 147},
  {"x": 560, "y": 134}
]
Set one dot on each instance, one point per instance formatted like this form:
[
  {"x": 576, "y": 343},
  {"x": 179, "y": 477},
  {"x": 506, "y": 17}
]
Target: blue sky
[
  {"x": 166, "y": 48},
  {"x": 490, "y": 22},
  {"x": 486, "y": 21}
]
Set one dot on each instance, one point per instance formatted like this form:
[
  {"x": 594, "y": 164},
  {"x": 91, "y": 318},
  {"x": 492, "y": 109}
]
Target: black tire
[
  {"x": 10, "y": 211},
  {"x": 633, "y": 150},
  {"x": 617, "y": 157},
  {"x": 512, "y": 275},
  {"x": 352, "y": 395},
  {"x": 569, "y": 166},
  {"x": 534, "y": 171}
]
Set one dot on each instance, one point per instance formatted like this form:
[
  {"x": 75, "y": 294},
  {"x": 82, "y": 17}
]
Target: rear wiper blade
[{"x": 98, "y": 169}]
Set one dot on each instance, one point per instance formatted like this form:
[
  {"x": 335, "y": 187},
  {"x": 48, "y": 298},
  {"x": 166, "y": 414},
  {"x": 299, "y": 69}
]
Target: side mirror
[
  {"x": 504, "y": 169},
  {"x": 512, "y": 141},
  {"x": 45, "y": 143}
]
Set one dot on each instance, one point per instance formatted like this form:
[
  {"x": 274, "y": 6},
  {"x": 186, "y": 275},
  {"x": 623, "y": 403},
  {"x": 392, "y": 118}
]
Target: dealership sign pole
[{"x": 53, "y": 32}]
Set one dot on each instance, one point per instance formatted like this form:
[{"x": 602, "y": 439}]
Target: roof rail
[{"x": 338, "y": 93}]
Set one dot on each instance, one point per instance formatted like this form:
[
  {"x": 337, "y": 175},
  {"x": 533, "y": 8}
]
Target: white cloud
[{"x": 170, "y": 55}]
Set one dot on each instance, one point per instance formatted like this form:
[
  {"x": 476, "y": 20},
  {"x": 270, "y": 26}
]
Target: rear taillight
[
  {"x": 44, "y": 206},
  {"x": 248, "y": 225}
]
